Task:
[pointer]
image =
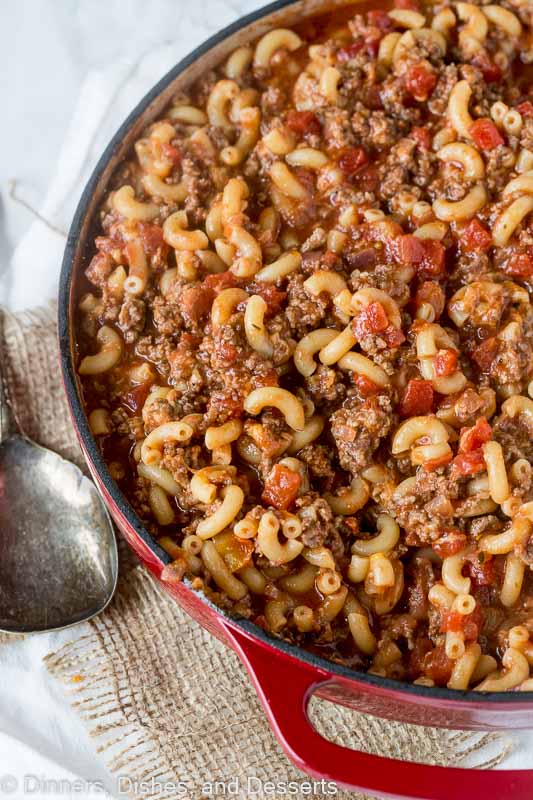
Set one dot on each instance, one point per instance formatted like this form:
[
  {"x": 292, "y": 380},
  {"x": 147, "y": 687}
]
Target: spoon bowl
[{"x": 58, "y": 553}]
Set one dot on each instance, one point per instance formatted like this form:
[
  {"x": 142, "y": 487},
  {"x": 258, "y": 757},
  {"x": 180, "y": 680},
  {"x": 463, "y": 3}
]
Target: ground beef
[
  {"x": 515, "y": 436},
  {"x": 375, "y": 127},
  {"x": 398, "y": 626},
  {"x": 526, "y": 134},
  {"x": 469, "y": 267},
  {"x": 470, "y": 405},
  {"x": 126, "y": 425},
  {"x": 156, "y": 349},
  {"x": 326, "y": 386},
  {"x": 438, "y": 102},
  {"x": 181, "y": 462},
  {"x": 279, "y": 330},
  {"x": 167, "y": 316},
  {"x": 426, "y": 510},
  {"x": 99, "y": 269},
  {"x": 337, "y": 128},
  {"x": 318, "y": 459},
  {"x": 304, "y": 311},
  {"x": 421, "y": 577},
  {"x": 132, "y": 318},
  {"x": 378, "y": 136},
  {"x": 513, "y": 363},
  {"x": 357, "y": 429},
  {"x": 316, "y": 517},
  {"x": 199, "y": 189},
  {"x": 306, "y": 93}
]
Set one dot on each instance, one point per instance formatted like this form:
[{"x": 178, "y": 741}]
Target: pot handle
[{"x": 285, "y": 685}]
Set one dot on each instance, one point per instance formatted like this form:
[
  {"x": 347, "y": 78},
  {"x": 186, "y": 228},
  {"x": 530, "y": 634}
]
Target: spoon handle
[{"x": 8, "y": 425}]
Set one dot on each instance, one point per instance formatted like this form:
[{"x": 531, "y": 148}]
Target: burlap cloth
[{"x": 164, "y": 700}]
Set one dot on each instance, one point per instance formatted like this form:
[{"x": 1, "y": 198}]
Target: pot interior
[{"x": 79, "y": 250}]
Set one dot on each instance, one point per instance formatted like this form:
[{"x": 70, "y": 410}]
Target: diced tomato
[
  {"x": 345, "y": 54},
  {"x": 485, "y": 353},
  {"x": 372, "y": 96},
  {"x": 451, "y": 621},
  {"x": 173, "y": 573},
  {"x": 445, "y": 363},
  {"x": 525, "y": 108},
  {"x": 469, "y": 624},
  {"x": 485, "y": 134},
  {"x": 472, "y": 624},
  {"x": 422, "y": 137},
  {"x": 476, "y": 237},
  {"x": 420, "y": 82},
  {"x": 394, "y": 336},
  {"x": 380, "y": 19},
  {"x": 366, "y": 387},
  {"x": 434, "y": 258},
  {"x": 426, "y": 255},
  {"x": 412, "y": 5},
  {"x": 432, "y": 293},
  {"x": 435, "y": 463},
  {"x": 134, "y": 399},
  {"x": 260, "y": 621},
  {"x": 480, "y": 570},
  {"x": 438, "y": 666},
  {"x": 171, "y": 153},
  {"x": 152, "y": 238},
  {"x": 368, "y": 179},
  {"x": 330, "y": 259},
  {"x": 418, "y": 398},
  {"x": 520, "y": 265},
  {"x": 281, "y": 487},
  {"x": 476, "y": 436},
  {"x": 372, "y": 45},
  {"x": 237, "y": 553},
  {"x": 372, "y": 319},
  {"x": 352, "y": 159},
  {"x": 303, "y": 122},
  {"x": 469, "y": 463},
  {"x": 362, "y": 259},
  {"x": 411, "y": 249},
  {"x": 196, "y": 301},
  {"x": 490, "y": 71},
  {"x": 220, "y": 281},
  {"x": 268, "y": 378},
  {"x": 274, "y": 298},
  {"x": 450, "y": 543}
]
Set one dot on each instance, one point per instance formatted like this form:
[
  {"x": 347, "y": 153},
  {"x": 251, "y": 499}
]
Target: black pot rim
[{"x": 78, "y": 413}]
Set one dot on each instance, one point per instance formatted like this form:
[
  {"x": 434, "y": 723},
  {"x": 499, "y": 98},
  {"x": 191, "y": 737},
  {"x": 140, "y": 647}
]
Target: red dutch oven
[{"x": 284, "y": 676}]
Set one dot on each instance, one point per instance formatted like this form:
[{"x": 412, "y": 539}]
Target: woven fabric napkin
[{"x": 172, "y": 710}]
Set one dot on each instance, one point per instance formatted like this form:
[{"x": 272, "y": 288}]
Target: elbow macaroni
[{"x": 304, "y": 352}]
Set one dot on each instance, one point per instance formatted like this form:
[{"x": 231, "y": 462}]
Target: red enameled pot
[{"x": 284, "y": 676}]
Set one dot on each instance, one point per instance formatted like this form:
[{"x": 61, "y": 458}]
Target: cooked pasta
[{"x": 304, "y": 338}]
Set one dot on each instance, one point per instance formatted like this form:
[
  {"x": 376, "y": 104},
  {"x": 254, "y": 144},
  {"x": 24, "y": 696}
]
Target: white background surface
[{"x": 70, "y": 72}]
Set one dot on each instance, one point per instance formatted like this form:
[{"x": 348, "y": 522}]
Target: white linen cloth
[{"x": 91, "y": 61}]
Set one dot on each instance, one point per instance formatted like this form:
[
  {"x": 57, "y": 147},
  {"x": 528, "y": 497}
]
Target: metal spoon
[{"x": 58, "y": 554}]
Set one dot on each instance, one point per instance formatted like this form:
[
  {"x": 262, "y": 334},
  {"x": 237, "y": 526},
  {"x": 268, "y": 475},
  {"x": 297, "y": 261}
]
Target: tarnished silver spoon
[{"x": 58, "y": 554}]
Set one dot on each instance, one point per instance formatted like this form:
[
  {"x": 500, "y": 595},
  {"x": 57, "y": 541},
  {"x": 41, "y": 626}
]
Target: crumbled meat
[
  {"x": 317, "y": 519},
  {"x": 132, "y": 318},
  {"x": 357, "y": 429}
]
